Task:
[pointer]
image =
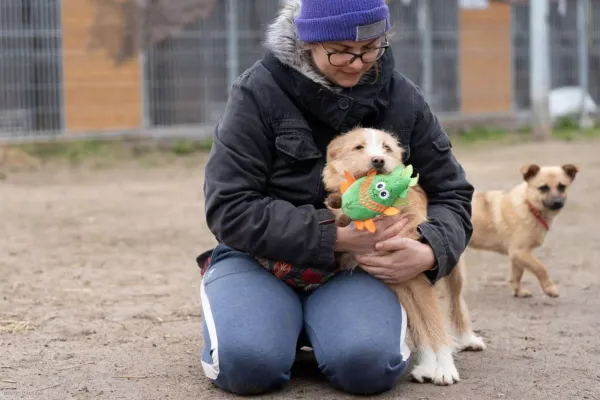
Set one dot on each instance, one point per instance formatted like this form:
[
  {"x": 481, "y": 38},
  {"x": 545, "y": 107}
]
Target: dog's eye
[
  {"x": 380, "y": 186},
  {"x": 387, "y": 148},
  {"x": 359, "y": 147},
  {"x": 544, "y": 188},
  {"x": 384, "y": 194},
  {"x": 561, "y": 187}
]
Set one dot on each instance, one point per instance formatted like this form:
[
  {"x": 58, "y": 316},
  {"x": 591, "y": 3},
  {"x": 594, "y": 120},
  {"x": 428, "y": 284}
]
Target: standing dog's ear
[
  {"x": 529, "y": 171},
  {"x": 571, "y": 170}
]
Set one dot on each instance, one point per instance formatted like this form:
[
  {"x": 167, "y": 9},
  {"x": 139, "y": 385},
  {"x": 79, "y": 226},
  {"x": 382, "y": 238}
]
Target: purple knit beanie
[{"x": 339, "y": 20}]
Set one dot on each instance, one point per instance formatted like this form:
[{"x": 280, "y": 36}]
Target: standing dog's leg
[
  {"x": 515, "y": 281},
  {"x": 526, "y": 260},
  {"x": 466, "y": 339},
  {"x": 428, "y": 331}
]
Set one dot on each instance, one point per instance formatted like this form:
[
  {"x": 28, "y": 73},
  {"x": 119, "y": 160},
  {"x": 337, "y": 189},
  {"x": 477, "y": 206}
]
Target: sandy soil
[{"x": 99, "y": 289}]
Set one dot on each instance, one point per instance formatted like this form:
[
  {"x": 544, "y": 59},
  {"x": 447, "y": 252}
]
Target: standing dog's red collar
[{"x": 537, "y": 214}]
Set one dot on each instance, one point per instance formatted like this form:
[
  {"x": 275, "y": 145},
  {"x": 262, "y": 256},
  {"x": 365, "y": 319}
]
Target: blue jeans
[{"x": 252, "y": 322}]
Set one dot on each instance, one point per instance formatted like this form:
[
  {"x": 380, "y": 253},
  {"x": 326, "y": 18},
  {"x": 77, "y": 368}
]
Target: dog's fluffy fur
[
  {"x": 505, "y": 222},
  {"x": 353, "y": 152}
]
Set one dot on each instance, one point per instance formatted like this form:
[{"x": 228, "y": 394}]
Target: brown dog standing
[{"x": 515, "y": 222}]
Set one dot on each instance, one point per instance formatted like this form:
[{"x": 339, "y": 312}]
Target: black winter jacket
[{"x": 263, "y": 188}]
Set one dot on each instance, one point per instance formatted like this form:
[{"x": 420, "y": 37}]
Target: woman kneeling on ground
[{"x": 271, "y": 285}]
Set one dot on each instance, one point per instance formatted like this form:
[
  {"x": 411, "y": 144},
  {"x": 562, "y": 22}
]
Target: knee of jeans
[
  {"x": 248, "y": 369},
  {"x": 365, "y": 368}
]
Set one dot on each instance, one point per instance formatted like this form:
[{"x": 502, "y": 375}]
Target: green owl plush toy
[{"x": 363, "y": 199}]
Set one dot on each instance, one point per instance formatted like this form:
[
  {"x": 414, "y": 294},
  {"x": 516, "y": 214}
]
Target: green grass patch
[
  {"x": 76, "y": 152},
  {"x": 185, "y": 147},
  {"x": 106, "y": 153},
  {"x": 483, "y": 133},
  {"x": 100, "y": 154},
  {"x": 566, "y": 129}
]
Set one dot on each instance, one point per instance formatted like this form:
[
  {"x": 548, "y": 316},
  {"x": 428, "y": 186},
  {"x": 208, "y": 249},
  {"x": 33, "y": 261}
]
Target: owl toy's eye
[
  {"x": 384, "y": 194},
  {"x": 380, "y": 186}
]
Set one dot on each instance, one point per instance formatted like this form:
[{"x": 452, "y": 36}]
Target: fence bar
[
  {"x": 145, "y": 85},
  {"x": 232, "y": 42},
  {"x": 425, "y": 31},
  {"x": 539, "y": 47},
  {"x": 582, "y": 41}
]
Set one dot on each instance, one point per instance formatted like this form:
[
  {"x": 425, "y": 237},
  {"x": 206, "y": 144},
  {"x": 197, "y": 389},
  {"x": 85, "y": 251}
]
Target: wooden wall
[
  {"x": 485, "y": 59},
  {"x": 97, "y": 94}
]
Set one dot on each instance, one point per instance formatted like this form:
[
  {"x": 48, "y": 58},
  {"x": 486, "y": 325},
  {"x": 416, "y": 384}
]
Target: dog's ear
[
  {"x": 334, "y": 149},
  {"x": 332, "y": 153},
  {"x": 571, "y": 170},
  {"x": 529, "y": 171}
]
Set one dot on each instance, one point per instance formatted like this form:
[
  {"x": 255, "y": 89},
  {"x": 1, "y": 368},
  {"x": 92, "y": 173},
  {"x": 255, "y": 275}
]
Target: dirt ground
[{"x": 99, "y": 288}]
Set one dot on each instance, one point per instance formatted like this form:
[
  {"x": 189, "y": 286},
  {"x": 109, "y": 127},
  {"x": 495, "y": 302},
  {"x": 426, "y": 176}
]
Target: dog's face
[
  {"x": 361, "y": 150},
  {"x": 547, "y": 187}
]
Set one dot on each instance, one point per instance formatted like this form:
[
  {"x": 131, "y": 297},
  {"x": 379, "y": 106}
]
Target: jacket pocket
[
  {"x": 297, "y": 147},
  {"x": 294, "y": 140},
  {"x": 296, "y": 170}
]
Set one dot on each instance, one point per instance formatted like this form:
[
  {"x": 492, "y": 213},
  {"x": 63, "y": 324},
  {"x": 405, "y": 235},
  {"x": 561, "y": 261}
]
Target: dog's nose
[
  {"x": 377, "y": 162},
  {"x": 556, "y": 204}
]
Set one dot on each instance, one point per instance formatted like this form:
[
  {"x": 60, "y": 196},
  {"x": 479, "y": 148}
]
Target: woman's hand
[
  {"x": 350, "y": 239},
  {"x": 406, "y": 259},
  {"x": 398, "y": 227}
]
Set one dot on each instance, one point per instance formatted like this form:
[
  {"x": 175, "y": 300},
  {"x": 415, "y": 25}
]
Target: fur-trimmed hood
[{"x": 282, "y": 40}]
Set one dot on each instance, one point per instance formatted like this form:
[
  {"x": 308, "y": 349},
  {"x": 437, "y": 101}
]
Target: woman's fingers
[
  {"x": 370, "y": 261},
  {"x": 399, "y": 227},
  {"x": 376, "y": 270},
  {"x": 387, "y": 275},
  {"x": 379, "y": 273},
  {"x": 396, "y": 243}
]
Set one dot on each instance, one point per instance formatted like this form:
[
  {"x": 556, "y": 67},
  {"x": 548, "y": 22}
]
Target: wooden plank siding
[
  {"x": 485, "y": 60},
  {"x": 98, "y": 96}
]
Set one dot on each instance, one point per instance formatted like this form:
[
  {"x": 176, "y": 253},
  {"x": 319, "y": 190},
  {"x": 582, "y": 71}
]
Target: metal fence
[
  {"x": 564, "y": 63},
  {"x": 30, "y": 67},
  {"x": 182, "y": 82},
  {"x": 187, "y": 75}
]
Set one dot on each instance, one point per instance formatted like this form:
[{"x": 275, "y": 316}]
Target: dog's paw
[
  {"x": 551, "y": 291},
  {"x": 522, "y": 293},
  {"x": 446, "y": 372},
  {"x": 469, "y": 342},
  {"x": 426, "y": 368},
  {"x": 446, "y": 376},
  {"x": 436, "y": 368}
]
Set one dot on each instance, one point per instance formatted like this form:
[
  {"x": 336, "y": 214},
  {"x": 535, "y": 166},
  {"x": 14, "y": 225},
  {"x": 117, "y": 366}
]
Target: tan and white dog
[
  {"x": 515, "y": 222},
  {"x": 357, "y": 152}
]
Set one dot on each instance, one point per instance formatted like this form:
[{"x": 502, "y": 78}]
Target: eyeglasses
[{"x": 344, "y": 58}]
